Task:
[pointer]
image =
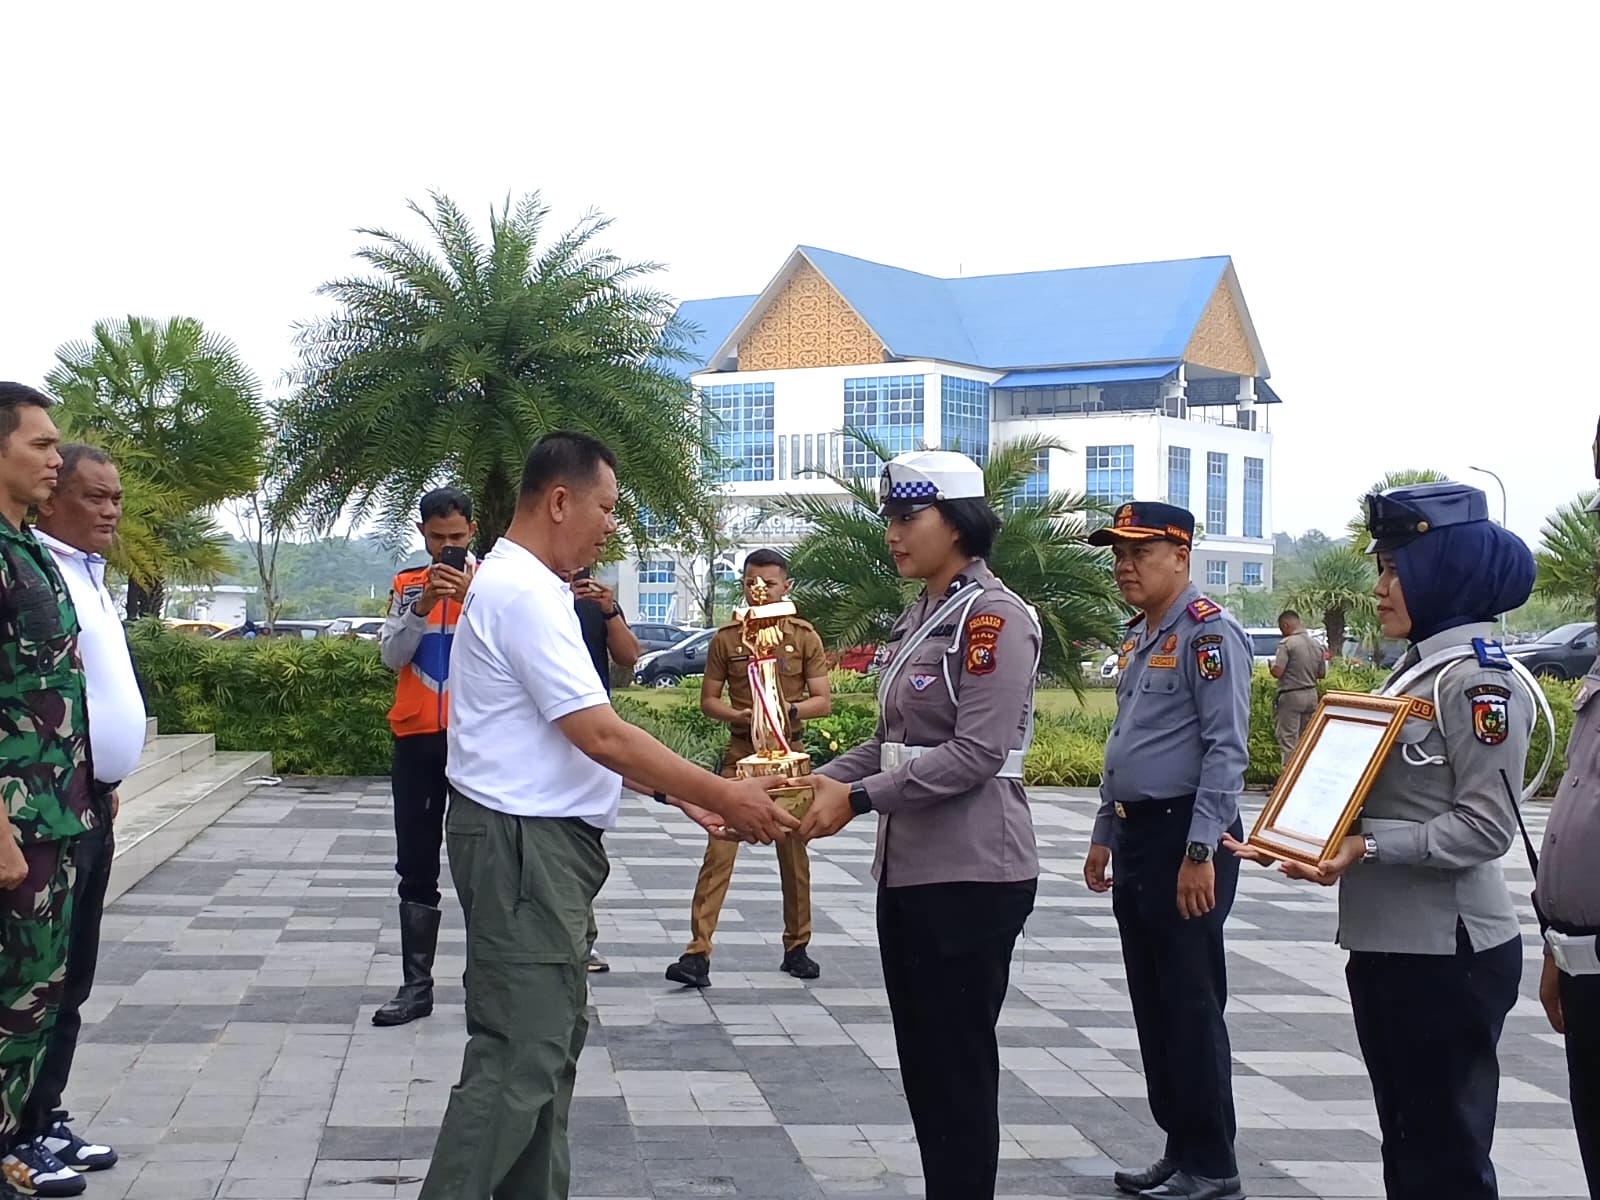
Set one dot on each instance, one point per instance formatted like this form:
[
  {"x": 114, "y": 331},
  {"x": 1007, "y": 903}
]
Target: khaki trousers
[
  {"x": 1292, "y": 717},
  {"x": 716, "y": 872}
]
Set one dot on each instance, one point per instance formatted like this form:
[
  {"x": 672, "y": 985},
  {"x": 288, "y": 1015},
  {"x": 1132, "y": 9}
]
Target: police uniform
[
  {"x": 47, "y": 782},
  {"x": 1435, "y": 944},
  {"x": 800, "y": 657},
  {"x": 1174, "y": 769},
  {"x": 956, "y": 862}
]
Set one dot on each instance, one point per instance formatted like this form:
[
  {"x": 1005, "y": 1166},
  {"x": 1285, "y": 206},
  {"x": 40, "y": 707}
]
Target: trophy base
[{"x": 793, "y": 800}]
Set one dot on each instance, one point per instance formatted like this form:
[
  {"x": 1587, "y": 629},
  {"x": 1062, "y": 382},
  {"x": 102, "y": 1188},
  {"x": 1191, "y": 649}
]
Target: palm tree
[
  {"x": 1569, "y": 549},
  {"x": 181, "y": 415},
  {"x": 451, "y": 359},
  {"x": 848, "y": 587},
  {"x": 1339, "y": 587}
]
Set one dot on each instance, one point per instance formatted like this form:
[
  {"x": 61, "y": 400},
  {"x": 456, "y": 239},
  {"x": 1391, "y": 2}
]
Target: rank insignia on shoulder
[
  {"x": 1203, "y": 609},
  {"x": 983, "y": 632},
  {"x": 1128, "y": 645},
  {"x": 1209, "y": 660},
  {"x": 1171, "y": 644},
  {"x": 1491, "y": 720},
  {"x": 1491, "y": 654}
]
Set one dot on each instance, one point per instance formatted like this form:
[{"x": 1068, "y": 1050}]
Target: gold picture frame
[{"x": 1327, "y": 778}]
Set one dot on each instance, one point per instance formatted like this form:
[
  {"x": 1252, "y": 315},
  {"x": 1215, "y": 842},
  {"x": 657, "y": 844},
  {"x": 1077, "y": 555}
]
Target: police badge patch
[
  {"x": 920, "y": 682},
  {"x": 1491, "y": 718},
  {"x": 1209, "y": 660},
  {"x": 983, "y": 632}
]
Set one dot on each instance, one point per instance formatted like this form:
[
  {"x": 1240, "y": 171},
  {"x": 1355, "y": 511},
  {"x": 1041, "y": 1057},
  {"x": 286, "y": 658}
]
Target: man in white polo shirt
[
  {"x": 537, "y": 759},
  {"x": 77, "y": 525}
]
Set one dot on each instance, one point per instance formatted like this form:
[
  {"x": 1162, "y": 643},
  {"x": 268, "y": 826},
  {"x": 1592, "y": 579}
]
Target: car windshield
[
  {"x": 1564, "y": 634},
  {"x": 688, "y": 640}
]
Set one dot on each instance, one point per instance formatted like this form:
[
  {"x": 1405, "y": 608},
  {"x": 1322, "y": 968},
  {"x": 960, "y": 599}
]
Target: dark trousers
[
  {"x": 1428, "y": 1026},
  {"x": 946, "y": 952},
  {"x": 1580, "y": 1009},
  {"x": 1178, "y": 984},
  {"x": 419, "y": 786},
  {"x": 91, "y": 856}
]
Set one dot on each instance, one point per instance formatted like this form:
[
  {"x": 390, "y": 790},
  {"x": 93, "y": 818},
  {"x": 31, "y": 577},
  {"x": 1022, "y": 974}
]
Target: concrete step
[
  {"x": 158, "y": 821},
  {"x": 164, "y": 758},
  {"x": 151, "y": 728}
]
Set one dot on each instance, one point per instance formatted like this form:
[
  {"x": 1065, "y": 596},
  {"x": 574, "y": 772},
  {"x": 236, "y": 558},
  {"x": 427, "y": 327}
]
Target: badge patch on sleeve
[
  {"x": 1491, "y": 718},
  {"x": 983, "y": 632},
  {"x": 1209, "y": 660},
  {"x": 409, "y": 596}
]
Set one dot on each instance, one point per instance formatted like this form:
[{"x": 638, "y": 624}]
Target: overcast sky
[{"x": 1405, "y": 188}]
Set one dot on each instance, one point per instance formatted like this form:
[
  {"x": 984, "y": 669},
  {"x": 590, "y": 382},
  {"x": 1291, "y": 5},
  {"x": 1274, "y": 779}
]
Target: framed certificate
[{"x": 1326, "y": 780}]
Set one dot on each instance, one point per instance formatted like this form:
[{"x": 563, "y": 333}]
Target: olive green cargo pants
[{"x": 527, "y": 887}]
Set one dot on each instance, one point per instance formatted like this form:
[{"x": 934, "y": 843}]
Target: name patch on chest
[
  {"x": 1491, "y": 718},
  {"x": 920, "y": 682},
  {"x": 1164, "y": 662},
  {"x": 983, "y": 636}
]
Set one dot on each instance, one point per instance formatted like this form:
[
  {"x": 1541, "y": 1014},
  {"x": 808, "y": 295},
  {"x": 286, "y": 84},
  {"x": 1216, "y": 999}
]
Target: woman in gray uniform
[
  {"x": 1435, "y": 945},
  {"x": 956, "y": 863}
]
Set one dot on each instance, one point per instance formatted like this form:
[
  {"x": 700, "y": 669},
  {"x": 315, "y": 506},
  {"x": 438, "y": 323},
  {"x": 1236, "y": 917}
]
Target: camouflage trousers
[{"x": 35, "y": 923}]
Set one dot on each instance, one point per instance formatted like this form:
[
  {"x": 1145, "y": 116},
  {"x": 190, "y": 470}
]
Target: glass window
[
  {"x": 783, "y": 458},
  {"x": 1252, "y": 575},
  {"x": 740, "y": 420},
  {"x": 890, "y": 409},
  {"x": 1216, "y": 572},
  {"x": 1035, "y": 488},
  {"x": 1108, "y": 477},
  {"x": 1255, "y": 475},
  {"x": 1216, "y": 494},
  {"x": 964, "y": 416},
  {"x": 1178, "y": 476},
  {"x": 657, "y": 606},
  {"x": 658, "y": 570}
]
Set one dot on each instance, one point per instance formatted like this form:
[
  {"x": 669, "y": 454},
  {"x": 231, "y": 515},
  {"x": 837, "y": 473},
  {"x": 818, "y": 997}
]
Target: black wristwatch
[
  {"x": 615, "y": 612},
  {"x": 794, "y": 714},
  {"x": 860, "y": 802},
  {"x": 661, "y": 798},
  {"x": 1198, "y": 852}
]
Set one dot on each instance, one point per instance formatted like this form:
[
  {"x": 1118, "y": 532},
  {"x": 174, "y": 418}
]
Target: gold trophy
[{"x": 761, "y": 632}]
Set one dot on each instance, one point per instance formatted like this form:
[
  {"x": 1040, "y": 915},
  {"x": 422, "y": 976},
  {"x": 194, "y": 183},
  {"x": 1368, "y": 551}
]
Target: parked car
[
  {"x": 1566, "y": 652},
  {"x": 656, "y": 636},
  {"x": 300, "y": 629},
  {"x": 857, "y": 658},
  {"x": 667, "y": 668},
  {"x": 364, "y": 629},
  {"x": 198, "y": 628},
  {"x": 1264, "y": 641}
]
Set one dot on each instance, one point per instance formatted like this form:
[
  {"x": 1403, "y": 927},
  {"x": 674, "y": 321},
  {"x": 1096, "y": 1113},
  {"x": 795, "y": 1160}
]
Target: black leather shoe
[
  {"x": 1134, "y": 1182},
  {"x": 691, "y": 970},
  {"x": 1184, "y": 1186},
  {"x": 798, "y": 963}
]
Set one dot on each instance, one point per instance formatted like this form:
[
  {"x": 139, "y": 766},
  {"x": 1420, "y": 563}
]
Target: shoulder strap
[{"x": 967, "y": 596}]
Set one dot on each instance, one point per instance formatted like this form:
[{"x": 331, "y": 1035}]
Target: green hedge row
[{"x": 320, "y": 707}]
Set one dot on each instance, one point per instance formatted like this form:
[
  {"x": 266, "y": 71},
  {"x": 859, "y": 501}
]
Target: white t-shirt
[
  {"x": 116, "y": 707},
  {"x": 518, "y": 665}
]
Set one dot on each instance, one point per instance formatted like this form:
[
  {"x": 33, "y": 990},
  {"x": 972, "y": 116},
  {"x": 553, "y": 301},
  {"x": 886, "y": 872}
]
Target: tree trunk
[
  {"x": 1333, "y": 623},
  {"x": 145, "y": 602},
  {"x": 495, "y": 506}
]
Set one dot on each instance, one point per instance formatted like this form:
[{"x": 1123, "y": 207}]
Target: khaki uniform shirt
[
  {"x": 966, "y": 692},
  {"x": 1300, "y": 659},
  {"x": 1569, "y": 882},
  {"x": 800, "y": 657}
]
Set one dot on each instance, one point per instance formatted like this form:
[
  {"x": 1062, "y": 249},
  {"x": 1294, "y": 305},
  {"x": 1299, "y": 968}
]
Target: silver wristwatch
[{"x": 1370, "y": 854}]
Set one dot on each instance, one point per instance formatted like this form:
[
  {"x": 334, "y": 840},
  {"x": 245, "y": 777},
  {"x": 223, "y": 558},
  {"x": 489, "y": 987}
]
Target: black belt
[
  {"x": 1149, "y": 810},
  {"x": 1310, "y": 687},
  {"x": 1578, "y": 931}
]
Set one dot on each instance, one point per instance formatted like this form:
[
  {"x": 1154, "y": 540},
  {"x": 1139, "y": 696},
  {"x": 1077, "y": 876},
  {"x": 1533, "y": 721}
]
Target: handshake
[{"x": 743, "y": 810}]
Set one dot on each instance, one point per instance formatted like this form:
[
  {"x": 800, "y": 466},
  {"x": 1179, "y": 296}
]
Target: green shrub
[
  {"x": 845, "y": 728},
  {"x": 851, "y": 683}
]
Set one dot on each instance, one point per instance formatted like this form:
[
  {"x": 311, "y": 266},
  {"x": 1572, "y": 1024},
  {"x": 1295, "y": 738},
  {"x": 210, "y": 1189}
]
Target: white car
[
  {"x": 364, "y": 629},
  {"x": 1264, "y": 641}
]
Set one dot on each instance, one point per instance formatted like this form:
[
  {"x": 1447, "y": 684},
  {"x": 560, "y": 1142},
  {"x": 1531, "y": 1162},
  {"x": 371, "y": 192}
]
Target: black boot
[{"x": 419, "y": 936}]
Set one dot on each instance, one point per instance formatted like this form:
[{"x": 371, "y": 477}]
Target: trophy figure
[{"x": 761, "y": 632}]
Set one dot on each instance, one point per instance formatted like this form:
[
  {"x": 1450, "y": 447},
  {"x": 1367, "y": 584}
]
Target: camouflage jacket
[{"x": 45, "y": 775}]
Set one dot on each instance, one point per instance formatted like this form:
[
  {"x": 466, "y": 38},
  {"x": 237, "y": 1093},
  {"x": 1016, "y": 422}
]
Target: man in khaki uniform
[
  {"x": 1297, "y": 667},
  {"x": 803, "y": 680}
]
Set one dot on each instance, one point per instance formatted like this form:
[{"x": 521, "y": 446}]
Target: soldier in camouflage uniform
[{"x": 45, "y": 779}]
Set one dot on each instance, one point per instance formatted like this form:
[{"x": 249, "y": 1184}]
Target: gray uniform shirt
[
  {"x": 945, "y": 817},
  {"x": 1300, "y": 659},
  {"x": 1183, "y": 718},
  {"x": 1441, "y": 815},
  {"x": 1569, "y": 868}
]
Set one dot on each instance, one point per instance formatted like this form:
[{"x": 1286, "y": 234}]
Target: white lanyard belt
[{"x": 897, "y": 754}]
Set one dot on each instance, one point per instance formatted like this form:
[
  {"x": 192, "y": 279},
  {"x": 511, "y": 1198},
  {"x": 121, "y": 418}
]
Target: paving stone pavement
[{"x": 228, "y": 1050}]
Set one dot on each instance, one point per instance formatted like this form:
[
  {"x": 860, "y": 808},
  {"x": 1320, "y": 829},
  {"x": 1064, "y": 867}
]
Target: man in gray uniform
[
  {"x": 1174, "y": 769},
  {"x": 1297, "y": 666},
  {"x": 1567, "y": 895}
]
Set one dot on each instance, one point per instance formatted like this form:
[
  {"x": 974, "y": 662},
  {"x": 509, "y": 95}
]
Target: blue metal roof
[
  {"x": 1078, "y": 376},
  {"x": 710, "y": 322}
]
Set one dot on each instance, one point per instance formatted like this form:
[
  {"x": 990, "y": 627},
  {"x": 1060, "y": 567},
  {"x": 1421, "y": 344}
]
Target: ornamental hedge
[{"x": 319, "y": 705}]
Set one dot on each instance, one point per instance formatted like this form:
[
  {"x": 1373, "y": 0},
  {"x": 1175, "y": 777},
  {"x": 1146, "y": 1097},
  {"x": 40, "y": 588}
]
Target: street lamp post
[{"x": 1504, "y": 519}]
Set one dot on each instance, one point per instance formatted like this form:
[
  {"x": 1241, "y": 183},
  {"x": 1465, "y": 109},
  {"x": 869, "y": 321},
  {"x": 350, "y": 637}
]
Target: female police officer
[
  {"x": 956, "y": 863},
  {"x": 1435, "y": 946}
]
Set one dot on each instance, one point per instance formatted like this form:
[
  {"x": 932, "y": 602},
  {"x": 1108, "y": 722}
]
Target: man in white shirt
[
  {"x": 537, "y": 760},
  {"x": 77, "y": 525}
]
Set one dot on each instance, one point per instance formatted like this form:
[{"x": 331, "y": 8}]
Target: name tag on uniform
[
  {"x": 1421, "y": 709},
  {"x": 1163, "y": 662}
]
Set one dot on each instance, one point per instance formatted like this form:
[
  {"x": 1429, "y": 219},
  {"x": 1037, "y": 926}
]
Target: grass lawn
[{"x": 1052, "y": 700}]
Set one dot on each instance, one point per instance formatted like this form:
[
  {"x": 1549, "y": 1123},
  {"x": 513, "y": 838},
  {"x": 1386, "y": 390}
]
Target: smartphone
[{"x": 454, "y": 557}]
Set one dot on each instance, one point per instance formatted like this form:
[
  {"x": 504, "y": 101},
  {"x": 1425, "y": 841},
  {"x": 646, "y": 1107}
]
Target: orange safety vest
[{"x": 422, "y": 693}]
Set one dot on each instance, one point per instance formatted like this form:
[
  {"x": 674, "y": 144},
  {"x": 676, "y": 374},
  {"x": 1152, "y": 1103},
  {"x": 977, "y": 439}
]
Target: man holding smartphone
[{"x": 424, "y": 605}]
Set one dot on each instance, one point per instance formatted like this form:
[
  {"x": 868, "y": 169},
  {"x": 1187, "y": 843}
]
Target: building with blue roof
[{"x": 1151, "y": 372}]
